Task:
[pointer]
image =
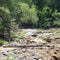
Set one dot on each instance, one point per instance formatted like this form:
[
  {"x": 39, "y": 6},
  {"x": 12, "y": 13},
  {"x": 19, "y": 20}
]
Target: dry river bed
[
  {"x": 42, "y": 52},
  {"x": 34, "y": 46}
]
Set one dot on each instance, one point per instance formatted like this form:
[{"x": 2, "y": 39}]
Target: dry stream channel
[{"x": 33, "y": 46}]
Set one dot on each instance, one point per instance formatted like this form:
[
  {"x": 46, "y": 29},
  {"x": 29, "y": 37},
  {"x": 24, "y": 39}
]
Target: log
[{"x": 22, "y": 46}]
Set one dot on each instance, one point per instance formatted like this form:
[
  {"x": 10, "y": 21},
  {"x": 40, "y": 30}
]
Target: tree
[
  {"x": 26, "y": 15},
  {"x": 6, "y": 20},
  {"x": 41, "y": 3}
]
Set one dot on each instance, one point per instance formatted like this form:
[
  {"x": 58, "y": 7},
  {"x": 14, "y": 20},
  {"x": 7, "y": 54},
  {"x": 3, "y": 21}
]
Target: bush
[{"x": 2, "y": 42}]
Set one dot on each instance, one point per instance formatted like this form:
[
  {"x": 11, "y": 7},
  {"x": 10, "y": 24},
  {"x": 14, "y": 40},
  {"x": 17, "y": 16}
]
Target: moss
[{"x": 11, "y": 57}]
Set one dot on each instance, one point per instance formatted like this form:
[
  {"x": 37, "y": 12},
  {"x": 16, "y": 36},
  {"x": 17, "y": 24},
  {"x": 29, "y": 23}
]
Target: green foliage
[
  {"x": 2, "y": 42},
  {"x": 25, "y": 15},
  {"x": 28, "y": 14},
  {"x": 5, "y": 21}
]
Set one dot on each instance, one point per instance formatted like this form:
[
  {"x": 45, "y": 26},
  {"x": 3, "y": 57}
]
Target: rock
[
  {"x": 34, "y": 35},
  {"x": 14, "y": 44},
  {"x": 21, "y": 41},
  {"x": 4, "y": 58},
  {"x": 1, "y": 58},
  {"x": 40, "y": 59},
  {"x": 28, "y": 34},
  {"x": 48, "y": 40},
  {"x": 1, "y": 49},
  {"x": 5, "y": 52},
  {"x": 19, "y": 58},
  {"x": 38, "y": 40},
  {"x": 23, "y": 50},
  {"x": 55, "y": 58},
  {"x": 28, "y": 38},
  {"x": 36, "y": 58},
  {"x": 47, "y": 50},
  {"x": 45, "y": 35}
]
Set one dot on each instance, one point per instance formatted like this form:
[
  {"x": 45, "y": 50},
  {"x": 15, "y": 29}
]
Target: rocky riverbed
[
  {"x": 33, "y": 46},
  {"x": 44, "y": 52}
]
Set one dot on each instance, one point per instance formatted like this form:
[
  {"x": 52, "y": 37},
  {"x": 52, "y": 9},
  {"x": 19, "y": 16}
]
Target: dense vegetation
[{"x": 16, "y": 14}]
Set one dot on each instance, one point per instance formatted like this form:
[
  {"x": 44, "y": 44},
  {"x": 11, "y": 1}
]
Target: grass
[
  {"x": 22, "y": 34},
  {"x": 3, "y": 42},
  {"x": 19, "y": 35}
]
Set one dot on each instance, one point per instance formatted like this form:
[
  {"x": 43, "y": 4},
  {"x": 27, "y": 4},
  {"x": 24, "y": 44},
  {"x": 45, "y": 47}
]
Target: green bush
[{"x": 2, "y": 42}]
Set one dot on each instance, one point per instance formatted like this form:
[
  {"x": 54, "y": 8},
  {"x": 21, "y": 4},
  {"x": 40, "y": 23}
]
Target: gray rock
[
  {"x": 14, "y": 44},
  {"x": 6, "y": 52}
]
